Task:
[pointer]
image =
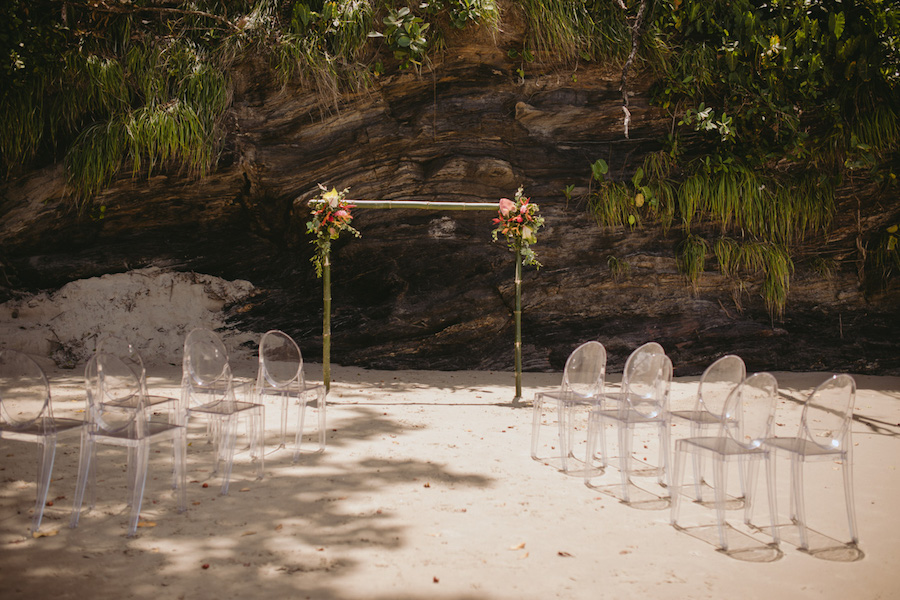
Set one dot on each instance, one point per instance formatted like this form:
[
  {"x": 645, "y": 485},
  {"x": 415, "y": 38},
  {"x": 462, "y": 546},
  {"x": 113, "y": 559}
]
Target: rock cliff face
[{"x": 428, "y": 289}]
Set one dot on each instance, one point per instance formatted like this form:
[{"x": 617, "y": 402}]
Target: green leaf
[
  {"x": 599, "y": 169},
  {"x": 836, "y": 24},
  {"x": 638, "y": 176}
]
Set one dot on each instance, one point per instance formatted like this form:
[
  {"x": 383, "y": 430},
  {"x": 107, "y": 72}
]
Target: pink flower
[
  {"x": 340, "y": 214},
  {"x": 506, "y": 205},
  {"x": 518, "y": 219}
]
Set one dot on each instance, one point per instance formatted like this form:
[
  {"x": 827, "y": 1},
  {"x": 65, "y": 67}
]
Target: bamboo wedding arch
[{"x": 331, "y": 217}]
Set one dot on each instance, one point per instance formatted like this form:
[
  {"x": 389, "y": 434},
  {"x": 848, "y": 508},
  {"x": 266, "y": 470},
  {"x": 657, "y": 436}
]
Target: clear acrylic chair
[
  {"x": 824, "y": 435},
  {"x": 717, "y": 382},
  {"x": 643, "y": 400},
  {"x": 747, "y": 421},
  {"x": 128, "y": 353},
  {"x": 26, "y": 414},
  {"x": 280, "y": 376},
  {"x": 208, "y": 392},
  {"x": 582, "y": 385},
  {"x": 117, "y": 415}
]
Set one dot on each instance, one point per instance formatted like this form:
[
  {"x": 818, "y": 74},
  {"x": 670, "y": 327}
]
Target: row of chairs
[
  {"x": 120, "y": 411},
  {"x": 730, "y": 421}
]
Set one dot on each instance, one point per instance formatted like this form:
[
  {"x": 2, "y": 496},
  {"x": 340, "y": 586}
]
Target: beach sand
[{"x": 426, "y": 490}]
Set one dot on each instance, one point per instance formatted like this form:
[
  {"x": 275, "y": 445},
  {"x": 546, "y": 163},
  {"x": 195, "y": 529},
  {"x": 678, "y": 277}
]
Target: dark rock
[{"x": 428, "y": 289}]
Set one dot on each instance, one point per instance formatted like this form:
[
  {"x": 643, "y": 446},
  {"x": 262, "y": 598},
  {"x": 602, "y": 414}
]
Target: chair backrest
[
  {"x": 115, "y": 394},
  {"x": 585, "y": 370},
  {"x": 24, "y": 391},
  {"x": 206, "y": 374},
  {"x": 646, "y": 382},
  {"x": 280, "y": 361},
  {"x": 126, "y": 352},
  {"x": 205, "y": 357},
  {"x": 828, "y": 413},
  {"x": 750, "y": 410},
  {"x": 717, "y": 382}
]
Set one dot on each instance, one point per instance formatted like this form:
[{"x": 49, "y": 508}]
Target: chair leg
[
  {"x": 258, "y": 440},
  {"x": 590, "y": 447},
  {"x": 799, "y": 502},
  {"x": 136, "y": 485},
  {"x": 720, "y": 478},
  {"x": 564, "y": 424},
  {"x": 773, "y": 497},
  {"x": 847, "y": 467},
  {"x": 663, "y": 475},
  {"x": 677, "y": 482},
  {"x": 285, "y": 401},
  {"x": 179, "y": 444},
  {"x": 748, "y": 484},
  {"x": 301, "y": 424},
  {"x": 536, "y": 424},
  {"x": 47, "y": 454},
  {"x": 226, "y": 449},
  {"x": 625, "y": 439},
  {"x": 84, "y": 468}
]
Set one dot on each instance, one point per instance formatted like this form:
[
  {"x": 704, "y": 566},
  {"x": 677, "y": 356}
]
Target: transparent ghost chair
[
  {"x": 582, "y": 386},
  {"x": 824, "y": 436},
  {"x": 208, "y": 392},
  {"x": 643, "y": 400},
  {"x": 128, "y": 353},
  {"x": 746, "y": 424},
  {"x": 717, "y": 382},
  {"x": 117, "y": 415},
  {"x": 26, "y": 414},
  {"x": 280, "y": 376}
]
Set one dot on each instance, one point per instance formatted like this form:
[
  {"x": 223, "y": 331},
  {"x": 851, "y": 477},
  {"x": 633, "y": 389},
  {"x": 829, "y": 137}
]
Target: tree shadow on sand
[{"x": 290, "y": 534}]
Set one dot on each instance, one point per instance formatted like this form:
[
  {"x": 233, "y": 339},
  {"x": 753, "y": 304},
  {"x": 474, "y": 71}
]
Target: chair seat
[
  {"x": 702, "y": 417},
  {"x": 627, "y": 416},
  {"x": 223, "y": 407},
  {"x": 41, "y": 427},
  {"x": 154, "y": 429},
  {"x": 802, "y": 447},
  {"x": 723, "y": 446}
]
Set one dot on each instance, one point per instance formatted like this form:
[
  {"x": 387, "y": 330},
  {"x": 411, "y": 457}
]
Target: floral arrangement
[
  {"x": 518, "y": 222},
  {"x": 330, "y": 217}
]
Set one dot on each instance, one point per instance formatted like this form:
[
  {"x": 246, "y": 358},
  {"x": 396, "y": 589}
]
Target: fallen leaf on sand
[
  {"x": 279, "y": 527},
  {"x": 244, "y": 490},
  {"x": 146, "y": 523},
  {"x": 523, "y": 555},
  {"x": 40, "y": 534},
  {"x": 246, "y": 533},
  {"x": 518, "y": 546},
  {"x": 563, "y": 553}
]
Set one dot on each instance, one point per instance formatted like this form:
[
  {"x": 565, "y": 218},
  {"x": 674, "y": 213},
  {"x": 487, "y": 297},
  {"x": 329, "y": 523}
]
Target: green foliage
[
  {"x": 405, "y": 34},
  {"x": 138, "y": 84},
  {"x": 692, "y": 258},
  {"x": 565, "y": 31},
  {"x": 770, "y": 261},
  {"x": 773, "y": 107},
  {"x": 618, "y": 268}
]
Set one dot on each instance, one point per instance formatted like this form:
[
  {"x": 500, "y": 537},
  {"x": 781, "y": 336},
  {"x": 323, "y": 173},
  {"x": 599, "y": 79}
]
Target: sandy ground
[{"x": 427, "y": 490}]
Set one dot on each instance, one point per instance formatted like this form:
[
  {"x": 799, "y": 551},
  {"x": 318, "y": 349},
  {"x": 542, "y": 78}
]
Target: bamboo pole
[
  {"x": 326, "y": 319},
  {"x": 422, "y": 205},
  {"x": 517, "y": 317}
]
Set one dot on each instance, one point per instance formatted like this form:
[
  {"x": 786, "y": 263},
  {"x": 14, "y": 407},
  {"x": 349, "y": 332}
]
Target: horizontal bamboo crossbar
[{"x": 416, "y": 204}]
